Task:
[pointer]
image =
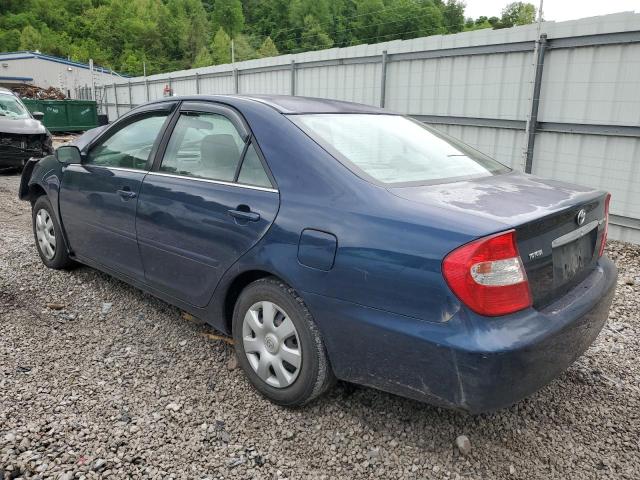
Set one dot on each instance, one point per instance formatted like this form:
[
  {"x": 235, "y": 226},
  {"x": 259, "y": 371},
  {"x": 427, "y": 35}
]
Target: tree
[
  {"x": 517, "y": 13},
  {"x": 228, "y": 15},
  {"x": 30, "y": 39},
  {"x": 478, "y": 24},
  {"x": 313, "y": 36},
  {"x": 453, "y": 16},
  {"x": 367, "y": 20},
  {"x": 221, "y": 47},
  {"x": 199, "y": 28},
  {"x": 131, "y": 63},
  {"x": 268, "y": 49},
  {"x": 10, "y": 40},
  {"x": 203, "y": 58},
  {"x": 242, "y": 49}
]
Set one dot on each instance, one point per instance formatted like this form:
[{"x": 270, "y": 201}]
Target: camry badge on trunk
[
  {"x": 536, "y": 254},
  {"x": 581, "y": 216}
]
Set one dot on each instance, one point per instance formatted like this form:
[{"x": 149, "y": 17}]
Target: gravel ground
[{"x": 98, "y": 380}]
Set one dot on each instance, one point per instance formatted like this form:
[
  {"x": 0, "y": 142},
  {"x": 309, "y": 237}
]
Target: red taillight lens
[
  {"x": 603, "y": 242},
  {"x": 487, "y": 275}
]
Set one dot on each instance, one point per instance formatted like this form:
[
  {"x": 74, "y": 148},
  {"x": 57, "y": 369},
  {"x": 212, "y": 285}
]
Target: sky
[{"x": 558, "y": 10}]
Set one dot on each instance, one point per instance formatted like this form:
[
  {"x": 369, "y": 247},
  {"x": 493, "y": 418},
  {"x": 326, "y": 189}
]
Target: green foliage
[
  {"x": 517, "y": 13},
  {"x": 221, "y": 47},
  {"x": 228, "y": 15},
  {"x": 313, "y": 35},
  {"x": 170, "y": 35},
  {"x": 30, "y": 38},
  {"x": 453, "y": 16},
  {"x": 203, "y": 58},
  {"x": 268, "y": 48}
]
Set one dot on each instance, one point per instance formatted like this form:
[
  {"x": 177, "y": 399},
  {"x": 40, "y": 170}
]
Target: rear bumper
[{"x": 470, "y": 363}]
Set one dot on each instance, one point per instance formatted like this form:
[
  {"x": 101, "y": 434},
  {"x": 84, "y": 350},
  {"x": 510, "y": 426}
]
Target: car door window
[
  {"x": 252, "y": 171},
  {"x": 130, "y": 146},
  {"x": 203, "y": 145}
]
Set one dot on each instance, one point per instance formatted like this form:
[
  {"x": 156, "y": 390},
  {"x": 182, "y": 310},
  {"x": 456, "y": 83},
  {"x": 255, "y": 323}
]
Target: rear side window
[
  {"x": 392, "y": 149},
  {"x": 203, "y": 145},
  {"x": 252, "y": 172},
  {"x": 130, "y": 146}
]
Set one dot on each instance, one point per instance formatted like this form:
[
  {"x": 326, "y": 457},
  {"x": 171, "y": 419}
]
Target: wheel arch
[
  {"x": 236, "y": 286},
  {"x": 34, "y": 192}
]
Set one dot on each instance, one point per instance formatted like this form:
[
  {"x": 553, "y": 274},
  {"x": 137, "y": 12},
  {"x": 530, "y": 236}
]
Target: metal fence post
[
  {"x": 235, "y": 81},
  {"x": 293, "y": 77},
  {"x": 146, "y": 88},
  {"x": 170, "y": 87},
  {"x": 130, "y": 99},
  {"x": 532, "y": 123},
  {"x": 115, "y": 99},
  {"x": 197, "y": 82},
  {"x": 383, "y": 79}
]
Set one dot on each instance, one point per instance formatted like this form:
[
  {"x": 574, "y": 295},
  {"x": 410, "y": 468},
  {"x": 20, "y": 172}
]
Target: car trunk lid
[{"x": 557, "y": 243}]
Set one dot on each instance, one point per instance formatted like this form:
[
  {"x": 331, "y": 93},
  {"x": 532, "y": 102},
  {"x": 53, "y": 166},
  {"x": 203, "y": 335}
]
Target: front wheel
[
  {"x": 48, "y": 235},
  {"x": 278, "y": 344}
]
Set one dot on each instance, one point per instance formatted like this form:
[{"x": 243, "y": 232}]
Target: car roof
[
  {"x": 6, "y": 91},
  {"x": 288, "y": 104},
  {"x": 292, "y": 105}
]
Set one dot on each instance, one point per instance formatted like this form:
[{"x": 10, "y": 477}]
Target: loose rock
[{"x": 463, "y": 444}]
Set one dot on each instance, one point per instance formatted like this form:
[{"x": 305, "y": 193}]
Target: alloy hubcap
[
  {"x": 271, "y": 344},
  {"x": 45, "y": 233}
]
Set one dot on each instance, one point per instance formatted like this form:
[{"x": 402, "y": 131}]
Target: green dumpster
[{"x": 65, "y": 115}]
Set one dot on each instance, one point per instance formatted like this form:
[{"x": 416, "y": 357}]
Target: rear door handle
[
  {"x": 243, "y": 215},
  {"x": 126, "y": 194}
]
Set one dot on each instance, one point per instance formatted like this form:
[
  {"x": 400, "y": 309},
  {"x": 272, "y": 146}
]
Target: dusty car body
[
  {"x": 21, "y": 135},
  {"x": 405, "y": 260}
]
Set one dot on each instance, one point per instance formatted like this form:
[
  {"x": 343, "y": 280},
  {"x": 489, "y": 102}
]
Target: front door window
[{"x": 130, "y": 146}]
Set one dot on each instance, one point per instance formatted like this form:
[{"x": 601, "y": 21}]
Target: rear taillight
[
  {"x": 487, "y": 275},
  {"x": 603, "y": 242}
]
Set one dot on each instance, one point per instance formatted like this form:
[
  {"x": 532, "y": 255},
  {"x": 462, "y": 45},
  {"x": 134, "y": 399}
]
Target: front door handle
[
  {"x": 245, "y": 215},
  {"x": 126, "y": 194}
]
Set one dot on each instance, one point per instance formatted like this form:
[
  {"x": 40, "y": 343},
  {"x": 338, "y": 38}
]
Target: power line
[
  {"x": 386, "y": 9},
  {"x": 344, "y": 30},
  {"x": 346, "y": 18},
  {"x": 427, "y": 32}
]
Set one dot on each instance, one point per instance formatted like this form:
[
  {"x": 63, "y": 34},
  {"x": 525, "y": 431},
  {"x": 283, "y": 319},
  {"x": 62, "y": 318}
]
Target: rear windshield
[
  {"x": 392, "y": 149},
  {"x": 12, "y": 108}
]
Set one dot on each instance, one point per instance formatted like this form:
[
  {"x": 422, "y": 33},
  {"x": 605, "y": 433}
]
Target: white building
[{"x": 35, "y": 68}]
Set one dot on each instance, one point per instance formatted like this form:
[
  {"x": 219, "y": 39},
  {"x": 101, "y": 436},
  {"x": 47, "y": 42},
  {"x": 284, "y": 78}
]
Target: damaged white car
[{"x": 22, "y": 135}]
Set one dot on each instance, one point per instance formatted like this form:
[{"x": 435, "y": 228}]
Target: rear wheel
[
  {"x": 278, "y": 344},
  {"x": 48, "y": 235}
]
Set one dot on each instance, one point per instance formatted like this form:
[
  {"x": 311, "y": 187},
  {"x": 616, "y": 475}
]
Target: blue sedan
[{"x": 334, "y": 240}]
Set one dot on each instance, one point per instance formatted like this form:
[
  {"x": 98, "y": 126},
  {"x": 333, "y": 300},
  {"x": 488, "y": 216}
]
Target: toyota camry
[{"x": 334, "y": 240}]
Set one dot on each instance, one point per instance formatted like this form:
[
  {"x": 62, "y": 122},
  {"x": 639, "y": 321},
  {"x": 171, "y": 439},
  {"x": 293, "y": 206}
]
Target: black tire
[
  {"x": 61, "y": 259},
  {"x": 315, "y": 375}
]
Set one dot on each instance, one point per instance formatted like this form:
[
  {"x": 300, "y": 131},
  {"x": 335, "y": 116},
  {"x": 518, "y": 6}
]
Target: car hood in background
[
  {"x": 512, "y": 198},
  {"x": 21, "y": 126}
]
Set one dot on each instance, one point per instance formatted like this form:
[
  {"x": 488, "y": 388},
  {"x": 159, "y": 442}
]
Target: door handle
[
  {"x": 126, "y": 194},
  {"x": 245, "y": 215}
]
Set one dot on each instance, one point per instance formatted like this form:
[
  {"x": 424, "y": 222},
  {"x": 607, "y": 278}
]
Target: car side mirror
[
  {"x": 38, "y": 116},
  {"x": 69, "y": 154}
]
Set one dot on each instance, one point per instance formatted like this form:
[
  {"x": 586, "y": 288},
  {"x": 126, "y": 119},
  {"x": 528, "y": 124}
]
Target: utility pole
[
  {"x": 144, "y": 69},
  {"x": 540, "y": 18},
  {"x": 233, "y": 53}
]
